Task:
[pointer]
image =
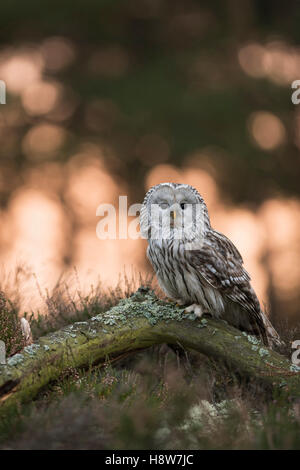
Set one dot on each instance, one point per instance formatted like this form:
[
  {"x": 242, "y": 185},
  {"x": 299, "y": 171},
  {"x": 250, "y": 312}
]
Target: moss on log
[{"x": 136, "y": 323}]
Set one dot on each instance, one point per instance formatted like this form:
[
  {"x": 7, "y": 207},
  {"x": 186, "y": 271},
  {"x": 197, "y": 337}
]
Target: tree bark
[{"x": 137, "y": 323}]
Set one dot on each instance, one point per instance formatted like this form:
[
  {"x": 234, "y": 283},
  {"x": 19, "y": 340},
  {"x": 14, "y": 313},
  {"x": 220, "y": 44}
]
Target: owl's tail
[
  {"x": 255, "y": 323},
  {"x": 271, "y": 336}
]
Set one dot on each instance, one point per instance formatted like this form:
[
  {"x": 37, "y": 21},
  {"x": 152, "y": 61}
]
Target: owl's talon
[
  {"x": 178, "y": 302},
  {"x": 196, "y": 309}
]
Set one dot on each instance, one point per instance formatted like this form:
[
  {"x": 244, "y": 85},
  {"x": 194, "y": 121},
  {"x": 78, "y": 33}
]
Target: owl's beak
[{"x": 172, "y": 218}]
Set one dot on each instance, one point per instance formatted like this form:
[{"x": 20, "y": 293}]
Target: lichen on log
[{"x": 136, "y": 323}]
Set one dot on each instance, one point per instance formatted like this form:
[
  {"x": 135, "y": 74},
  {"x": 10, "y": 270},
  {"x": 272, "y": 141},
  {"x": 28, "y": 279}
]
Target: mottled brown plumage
[{"x": 196, "y": 265}]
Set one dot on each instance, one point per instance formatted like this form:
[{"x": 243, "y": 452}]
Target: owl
[{"x": 196, "y": 266}]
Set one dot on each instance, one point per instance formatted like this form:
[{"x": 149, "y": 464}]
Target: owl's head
[{"x": 172, "y": 210}]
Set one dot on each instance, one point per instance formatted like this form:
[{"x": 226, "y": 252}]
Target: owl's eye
[
  {"x": 183, "y": 205},
  {"x": 164, "y": 205}
]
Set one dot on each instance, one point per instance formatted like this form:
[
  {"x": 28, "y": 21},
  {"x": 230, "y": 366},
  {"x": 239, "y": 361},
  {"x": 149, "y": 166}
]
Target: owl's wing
[{"x": 221, "y": 265}]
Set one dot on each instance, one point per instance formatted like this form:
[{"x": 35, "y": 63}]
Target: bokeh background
[{"x": 106, "y": 98}]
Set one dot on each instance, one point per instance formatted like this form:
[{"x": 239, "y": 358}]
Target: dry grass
[
  {"x": 10, "y": 326},
  {"x": 65, "y": 305},
  {"x": 147, "y": 403},
  {"x": 153, "y": 399}
]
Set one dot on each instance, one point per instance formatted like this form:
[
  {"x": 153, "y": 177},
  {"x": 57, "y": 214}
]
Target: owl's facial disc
[
  {"x": 174, "y": 220},
  {"x": 175, "y": 212}
]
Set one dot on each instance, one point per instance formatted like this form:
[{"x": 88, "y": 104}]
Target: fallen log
[{"x": 136, "y": 323}]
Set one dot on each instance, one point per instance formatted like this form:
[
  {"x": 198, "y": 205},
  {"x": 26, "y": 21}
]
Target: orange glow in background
[
  {"x": 49, "y": 224},
  {"x": 35, "y": 230}
]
